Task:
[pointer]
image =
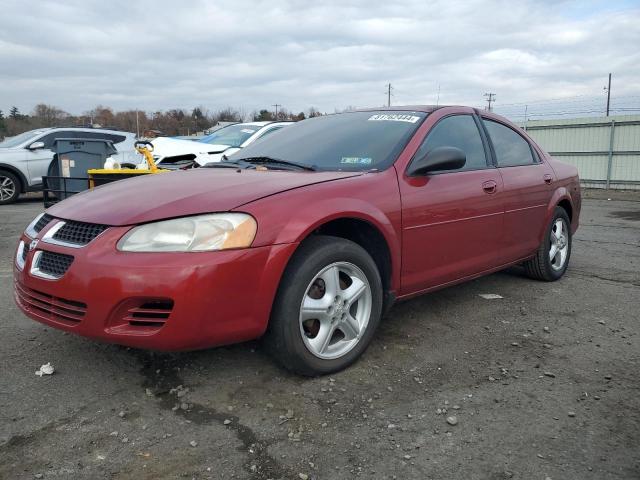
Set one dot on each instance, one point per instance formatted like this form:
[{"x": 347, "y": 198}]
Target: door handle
[
  {"x": 490, "y": 186},
  {"x": 547, "y": 178}
]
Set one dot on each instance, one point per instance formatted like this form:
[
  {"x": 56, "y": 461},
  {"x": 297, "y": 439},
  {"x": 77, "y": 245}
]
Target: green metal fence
[{"x": 606, "y": 150}]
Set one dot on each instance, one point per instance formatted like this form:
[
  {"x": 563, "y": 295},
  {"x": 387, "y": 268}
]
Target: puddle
[{"x": 627, "y": 214}]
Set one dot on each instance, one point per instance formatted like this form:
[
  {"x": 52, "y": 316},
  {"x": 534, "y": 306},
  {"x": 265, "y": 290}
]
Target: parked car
[
  {"x": 177, "y": 153},
  {"x": 307, "y": 238},
  {"x": 26, "y": 158}
]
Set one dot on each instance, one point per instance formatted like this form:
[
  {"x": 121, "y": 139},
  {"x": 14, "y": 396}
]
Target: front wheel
[
  {"x": 9, "y": 188},
  {"x": 552, "y": 258},
  {"x": 328, "y": 306}
]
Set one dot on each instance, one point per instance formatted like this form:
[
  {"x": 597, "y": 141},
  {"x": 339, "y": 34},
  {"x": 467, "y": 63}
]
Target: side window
[
  {"x": 268, "y": 132},
  {"x": 511, "y": 149},
  {"x": 115, "y": 139},
  {"x": 458, "y": 131},
  {"x": 52, "y": 137}
]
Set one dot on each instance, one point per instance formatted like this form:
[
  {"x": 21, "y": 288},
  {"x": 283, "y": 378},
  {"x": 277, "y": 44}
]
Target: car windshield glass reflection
[
  {"x": 232, "y": 136},
  {"x": 347, "y": 141}
]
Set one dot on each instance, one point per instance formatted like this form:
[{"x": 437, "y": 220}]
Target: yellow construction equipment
[{"x": 100, "y": 176}]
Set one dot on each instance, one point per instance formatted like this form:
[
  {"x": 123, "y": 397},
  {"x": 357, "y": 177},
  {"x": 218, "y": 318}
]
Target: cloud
[{"x": 160, "y": 54}]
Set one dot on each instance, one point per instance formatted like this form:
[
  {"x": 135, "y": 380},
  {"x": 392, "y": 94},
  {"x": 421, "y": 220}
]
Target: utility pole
[
  {"x": 608, "y": 89},
  {"x": 137, "y": 125},
  {"x": 438, "y": 99},
  {"x": 491, "y": 97},
  {"x": 389, "y": 88},
  {"x": 276, "y": 105}
]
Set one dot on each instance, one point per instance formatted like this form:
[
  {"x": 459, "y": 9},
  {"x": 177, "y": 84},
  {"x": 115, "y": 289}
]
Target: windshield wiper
[
  {"x": 229, "y": 164},
  {"x": 276, "y": 161}
]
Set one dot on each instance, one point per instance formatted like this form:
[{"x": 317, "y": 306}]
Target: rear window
[{"x": 511, "y": 149}]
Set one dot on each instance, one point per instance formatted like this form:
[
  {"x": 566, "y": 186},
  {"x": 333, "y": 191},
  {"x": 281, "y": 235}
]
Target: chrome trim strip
[
  {"x": 48, "y": 237},
  {"x": 19, "y": 261},
  {"x": 30, "y": 228},
  {"x": 35, "y": 271}
]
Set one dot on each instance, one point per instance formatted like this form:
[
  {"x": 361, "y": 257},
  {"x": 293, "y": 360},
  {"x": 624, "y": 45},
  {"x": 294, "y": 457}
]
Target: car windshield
[
  {"x": 233, "y": 135},
  {"x": 20, "y": 139},
  {"x": 345, "y": 141}
]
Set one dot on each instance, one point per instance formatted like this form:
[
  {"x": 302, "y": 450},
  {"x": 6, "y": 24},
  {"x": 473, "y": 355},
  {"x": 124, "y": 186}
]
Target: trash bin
[{"x": 76, "y": 156}]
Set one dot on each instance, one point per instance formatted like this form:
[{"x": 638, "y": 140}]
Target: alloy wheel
[
  {"x": 7, "y": 188},
  {"x": 559, "y": 245},
  {"x": 335, "y": 310}
]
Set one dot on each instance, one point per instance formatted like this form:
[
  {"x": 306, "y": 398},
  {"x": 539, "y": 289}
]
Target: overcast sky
[{"x": 157, "y": 55}]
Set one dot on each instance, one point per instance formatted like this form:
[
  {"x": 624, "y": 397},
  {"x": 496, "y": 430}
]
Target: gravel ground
[{"x": 541, "y": 384}]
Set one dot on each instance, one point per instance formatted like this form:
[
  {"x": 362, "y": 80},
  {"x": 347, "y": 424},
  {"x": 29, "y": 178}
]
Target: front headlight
[{"x": 216, "y": 231}]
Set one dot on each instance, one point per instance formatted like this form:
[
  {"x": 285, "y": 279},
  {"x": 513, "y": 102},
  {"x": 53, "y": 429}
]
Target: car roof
[
  {"x": 403, "y": 108},
  {"x": 84, "y": 129},
  {"x": 262, "y": 124}
]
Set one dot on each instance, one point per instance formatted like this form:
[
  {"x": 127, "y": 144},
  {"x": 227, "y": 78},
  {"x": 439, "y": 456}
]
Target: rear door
[
  {"x": 452, "y": 221},
  {"x": 527, "y": 189}
]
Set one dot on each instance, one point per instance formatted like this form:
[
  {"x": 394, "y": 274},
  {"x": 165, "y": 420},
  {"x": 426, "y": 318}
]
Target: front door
[{"x": 452, "y": 221}]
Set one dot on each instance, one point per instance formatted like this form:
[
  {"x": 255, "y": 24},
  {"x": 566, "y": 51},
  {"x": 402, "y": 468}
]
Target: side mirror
[
  {"x": 441, "y": 158},
  {"x": 36, "y": 146}
]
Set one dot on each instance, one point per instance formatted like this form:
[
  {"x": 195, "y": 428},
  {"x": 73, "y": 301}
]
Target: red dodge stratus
[{"x": 305, "y": 237}]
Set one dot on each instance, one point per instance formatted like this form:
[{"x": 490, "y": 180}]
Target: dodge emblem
[{"x": 33, "y": 245}]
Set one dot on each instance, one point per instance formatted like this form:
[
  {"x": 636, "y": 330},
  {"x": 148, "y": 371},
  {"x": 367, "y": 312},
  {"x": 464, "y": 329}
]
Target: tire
[
  {"x": 546, "y": 265},
  {"x": 10, "y": 187},
  {"x": 300, "y": 342}
]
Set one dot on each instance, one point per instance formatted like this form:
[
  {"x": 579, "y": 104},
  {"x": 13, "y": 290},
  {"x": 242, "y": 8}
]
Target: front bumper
[{"x": 159, "y": 301}]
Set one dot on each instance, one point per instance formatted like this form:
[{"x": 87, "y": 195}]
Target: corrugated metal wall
[{"x": 606, "y": 150}]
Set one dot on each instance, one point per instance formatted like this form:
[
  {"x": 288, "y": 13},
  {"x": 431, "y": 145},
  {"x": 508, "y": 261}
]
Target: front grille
[
  {"x": 70, "y": 312},
  {"x": 43, "y": 222},
  {"x": 150, "y": 314},
  {"x": 78, "y": 233},
  {"x": 54, "y": 264}
]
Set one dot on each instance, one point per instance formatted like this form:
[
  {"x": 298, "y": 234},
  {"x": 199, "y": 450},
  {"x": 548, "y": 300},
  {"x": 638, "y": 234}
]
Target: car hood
[
  {"x": 175, "y": 194},
  {"x": 171, "y": 147}
]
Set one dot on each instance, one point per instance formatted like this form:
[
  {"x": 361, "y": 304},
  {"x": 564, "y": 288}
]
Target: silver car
[{"x": 25, "y": 158}]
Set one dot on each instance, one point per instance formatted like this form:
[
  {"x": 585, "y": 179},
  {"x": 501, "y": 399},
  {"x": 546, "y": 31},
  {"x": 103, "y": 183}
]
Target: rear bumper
[{"x": 159, "y": 301}]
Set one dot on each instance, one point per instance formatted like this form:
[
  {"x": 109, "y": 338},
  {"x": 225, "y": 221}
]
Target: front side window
[
  {"x": 510, "y": 148},
  {"x": 352, "y": 141},
  {"x": 459, "y": 131},
  {"x": 52, "y": 137}
]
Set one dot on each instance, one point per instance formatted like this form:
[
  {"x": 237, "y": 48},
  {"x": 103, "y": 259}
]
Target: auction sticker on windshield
[
  {"x": 393, "y": 118},
  {"x": 356, "y": 160}
]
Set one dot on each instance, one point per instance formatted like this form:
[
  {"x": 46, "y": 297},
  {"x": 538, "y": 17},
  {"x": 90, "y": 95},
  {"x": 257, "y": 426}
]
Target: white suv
[{"x": 25, "y": 158}]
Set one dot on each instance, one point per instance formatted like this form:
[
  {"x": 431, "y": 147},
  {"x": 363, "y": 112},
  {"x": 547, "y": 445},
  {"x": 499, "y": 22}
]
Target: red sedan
[{"x": 306, "y": 237}]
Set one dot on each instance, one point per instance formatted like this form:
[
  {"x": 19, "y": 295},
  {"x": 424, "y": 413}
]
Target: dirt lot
[{"x": 545, "y": 383}]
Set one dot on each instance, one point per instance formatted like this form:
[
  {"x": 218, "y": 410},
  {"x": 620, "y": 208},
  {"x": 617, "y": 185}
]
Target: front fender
[{"x": 292, "y": 216}]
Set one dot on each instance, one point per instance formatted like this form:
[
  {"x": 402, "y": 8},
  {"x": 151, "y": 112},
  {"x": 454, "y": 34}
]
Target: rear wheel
[
  {"x": 552, "y": 258},
  {"x": 9, "y": 187},
  {"x": 328, "y": 306}
]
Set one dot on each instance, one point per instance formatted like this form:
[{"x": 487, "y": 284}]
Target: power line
[
  {"x": 490, "y": 98},
  {"x": 276, "y": 105}
]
